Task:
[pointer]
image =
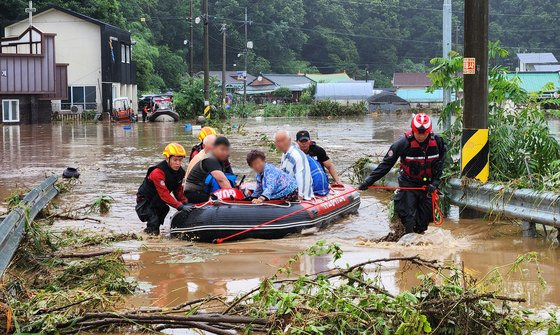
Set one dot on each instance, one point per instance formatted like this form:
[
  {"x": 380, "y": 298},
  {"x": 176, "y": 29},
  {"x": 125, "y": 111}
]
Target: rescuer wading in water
[
  {"x": 154, "y": 195},
  {"x": 421, "y": 154}
]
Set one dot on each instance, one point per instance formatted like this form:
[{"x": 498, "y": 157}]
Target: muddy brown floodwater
[{"x": 113, "y": 160}]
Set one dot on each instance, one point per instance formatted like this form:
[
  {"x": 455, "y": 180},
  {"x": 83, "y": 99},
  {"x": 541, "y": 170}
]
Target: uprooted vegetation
[
  {"x": 343, "y": 300},
  {"x": 46, "y": 284}
]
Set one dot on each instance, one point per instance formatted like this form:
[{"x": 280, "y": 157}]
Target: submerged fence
[
  {"x": 524, "y": 204},
  {"x": 12, "y": 228}
]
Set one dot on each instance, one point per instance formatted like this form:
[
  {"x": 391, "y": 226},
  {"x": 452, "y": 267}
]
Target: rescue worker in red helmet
[
  {"x": 422, "y": 155},
  {"x": 154, "y": 195}
]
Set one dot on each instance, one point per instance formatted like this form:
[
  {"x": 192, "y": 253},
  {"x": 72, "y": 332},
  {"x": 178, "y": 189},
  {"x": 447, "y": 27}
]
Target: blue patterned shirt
[{"x": 274, "y": 183}]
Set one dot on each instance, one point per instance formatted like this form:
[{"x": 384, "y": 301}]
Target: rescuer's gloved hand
[
  {"x": 185, "y": 208},
  {"x": 364, "y": 186},
  {"x": 431, "y": 188}
]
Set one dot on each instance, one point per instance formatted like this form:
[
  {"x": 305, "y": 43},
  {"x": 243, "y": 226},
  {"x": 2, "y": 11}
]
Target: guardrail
[
  {"x": 524, "y": 204},
  {"x": 12, "y": 228}
]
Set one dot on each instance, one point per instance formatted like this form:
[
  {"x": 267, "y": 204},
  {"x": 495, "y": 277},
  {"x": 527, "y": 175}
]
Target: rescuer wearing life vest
[
  {"x": 198, "y": 147},
  {"x": 421, "y": 154},
  {"x": 154, "y": 195}
]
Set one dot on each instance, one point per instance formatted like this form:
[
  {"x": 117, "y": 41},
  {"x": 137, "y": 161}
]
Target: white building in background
[
  {"x": 536, "y": 62},
  {"x": 98, "y": 55}
]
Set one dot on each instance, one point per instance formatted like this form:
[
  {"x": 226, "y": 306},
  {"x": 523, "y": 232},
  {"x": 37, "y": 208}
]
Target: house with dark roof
[
  {"x": 98, "y": 54},
  {"x": 528, "y": 61},
  {"x": 411, "y": 80},
  {"x": 30, "y": 77},
  {"x": 234, "y": 79}
]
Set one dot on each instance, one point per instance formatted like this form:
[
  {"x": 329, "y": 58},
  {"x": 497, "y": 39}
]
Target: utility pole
[
  {"x": 457, "y": 31},
  {"x": 474, "y": 142},
  {"x": 206, "y": 60},
  {"x": 446, "y": 50},
  {"x": 224, "y": 66},
  {"x": 245, "y": 69},
  {"x": 191, "y": 40}
]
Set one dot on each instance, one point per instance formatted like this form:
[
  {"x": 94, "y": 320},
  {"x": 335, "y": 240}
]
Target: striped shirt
[{"x": 294, "y": 162}]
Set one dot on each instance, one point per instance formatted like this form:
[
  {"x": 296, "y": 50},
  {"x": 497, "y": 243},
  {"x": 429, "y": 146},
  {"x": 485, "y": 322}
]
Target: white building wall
[{"x": 78, "y": 43}]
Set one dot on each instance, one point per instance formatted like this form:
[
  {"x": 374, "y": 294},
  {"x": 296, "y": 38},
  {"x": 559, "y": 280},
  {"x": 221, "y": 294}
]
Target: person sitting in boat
[
  {"x": 154, "y": 195},
  {"x": 272, "y": 182},
  {"x": 294, "y": 162},
  {"x": 303, "y": 139},
  {"x": 207, "y": 147},
  {"x": 210, "y": 173},
  {"x": 199, "y": 146}
]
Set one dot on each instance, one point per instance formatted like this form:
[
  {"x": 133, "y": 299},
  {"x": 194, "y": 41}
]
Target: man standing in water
[
  {"x": 154, "y": 195},
  {"x": 422, "y": 154}
]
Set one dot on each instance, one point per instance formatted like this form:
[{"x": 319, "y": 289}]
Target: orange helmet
[
  {"x": 421, "y": 123},
  {"x": 205, "y": 132},
  {"x": 174, "y": 149}
]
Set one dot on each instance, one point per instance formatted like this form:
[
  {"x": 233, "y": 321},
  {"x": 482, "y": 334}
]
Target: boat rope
[
  {"x": 248, "y": 203},
  {"x": 436, "y": 210},
  {"x": 221, "y": 240}
]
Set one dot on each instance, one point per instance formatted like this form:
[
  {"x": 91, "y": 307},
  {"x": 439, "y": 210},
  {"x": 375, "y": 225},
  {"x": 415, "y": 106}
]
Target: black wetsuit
[{"x": 414, "y": 207}]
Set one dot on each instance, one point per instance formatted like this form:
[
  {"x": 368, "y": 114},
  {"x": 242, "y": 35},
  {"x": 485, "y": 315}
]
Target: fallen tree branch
[
  {"x": 72, "y": 217},
  {"x": 87, "y": 254}
]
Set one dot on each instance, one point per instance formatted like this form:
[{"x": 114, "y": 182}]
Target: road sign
[
  {"x": 469, "y": 65},
  {"x": 206, "y": 110}
]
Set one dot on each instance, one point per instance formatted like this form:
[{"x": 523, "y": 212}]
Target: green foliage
[
  {"x": 359, "y": 170},
  {"x": 285, "y": 110},
  {"x": 189, "y": 101},
  {"x": 352, "y": 300},
  {"x": 333, "y": 108},
  {"x": 101, "y": 204},
  {"x": 522, "y": 147},
  {"x": 282, "y": 92},
  {"x": 44, "y": 290},
  {"x": 293, "y": 36},
  {"x": 171, "y": 66},
  {"x": 15, "y": 198}
]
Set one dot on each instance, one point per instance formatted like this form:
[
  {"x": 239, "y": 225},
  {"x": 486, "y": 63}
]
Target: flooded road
[{"x": 113, "y": 160}]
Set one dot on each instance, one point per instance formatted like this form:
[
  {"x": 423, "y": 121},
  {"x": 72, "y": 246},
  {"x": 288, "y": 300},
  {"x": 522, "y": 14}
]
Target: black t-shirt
[
  {"x": 318, "y": 153},
  {"x": 198, "y": 174},
  {"x": 212, "y": 164}
]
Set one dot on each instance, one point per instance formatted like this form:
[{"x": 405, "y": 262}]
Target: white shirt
[{"x": 294, "y": 162}]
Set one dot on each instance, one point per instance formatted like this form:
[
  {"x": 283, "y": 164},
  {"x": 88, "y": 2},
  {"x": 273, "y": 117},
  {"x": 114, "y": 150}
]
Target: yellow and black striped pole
[
  {"x": 474, "y": 142},
  {"x": 475, "y": 154}
]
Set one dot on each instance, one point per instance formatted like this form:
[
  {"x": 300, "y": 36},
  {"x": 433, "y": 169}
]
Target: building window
[
  {"x": 128, "y": 54},
  {"x": 10, "y": 110},
  {"x": 85, "y": 96},
  {"x": 123, "y": 53}
]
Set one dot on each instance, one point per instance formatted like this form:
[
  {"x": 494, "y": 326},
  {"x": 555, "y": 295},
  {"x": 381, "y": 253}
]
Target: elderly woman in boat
[{"x": 272, "y": 182}]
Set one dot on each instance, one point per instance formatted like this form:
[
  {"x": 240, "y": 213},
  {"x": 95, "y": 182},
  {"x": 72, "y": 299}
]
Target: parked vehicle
[
  {"x": 122, "y": 110},
  {"x": 162, "y": 110}
]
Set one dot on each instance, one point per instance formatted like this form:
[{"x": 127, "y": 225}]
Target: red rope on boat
[
  {"x": 220, "y": 240},
  {"x": 438, "y": 221}
]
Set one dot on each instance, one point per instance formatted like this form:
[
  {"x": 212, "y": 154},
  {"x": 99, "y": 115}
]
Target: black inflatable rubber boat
[{"x": 215, "y": 220}]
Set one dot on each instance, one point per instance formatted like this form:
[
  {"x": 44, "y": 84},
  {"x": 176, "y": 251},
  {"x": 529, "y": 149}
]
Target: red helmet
[{"x": 421, "y": 123}]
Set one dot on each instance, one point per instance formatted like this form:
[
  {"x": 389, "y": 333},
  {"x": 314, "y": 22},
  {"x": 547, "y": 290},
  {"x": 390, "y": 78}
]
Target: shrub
[{"x": 333, "y": 108}]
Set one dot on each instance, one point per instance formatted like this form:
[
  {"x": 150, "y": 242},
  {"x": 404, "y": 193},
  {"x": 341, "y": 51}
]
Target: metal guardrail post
[
  {"x": 524, "y": 204},
  {"x": 12, "y": 228}
]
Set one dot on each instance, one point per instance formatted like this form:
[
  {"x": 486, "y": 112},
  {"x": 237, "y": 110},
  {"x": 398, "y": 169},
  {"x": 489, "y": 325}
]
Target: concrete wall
[{"x": 77, "y": 44}]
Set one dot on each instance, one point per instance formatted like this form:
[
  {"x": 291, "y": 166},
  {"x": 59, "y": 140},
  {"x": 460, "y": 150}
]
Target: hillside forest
[{"x": 306, "y": 36}]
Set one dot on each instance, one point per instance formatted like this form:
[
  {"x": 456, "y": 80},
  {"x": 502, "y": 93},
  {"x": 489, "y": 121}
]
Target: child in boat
[{"x": 272, "y": 182}]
